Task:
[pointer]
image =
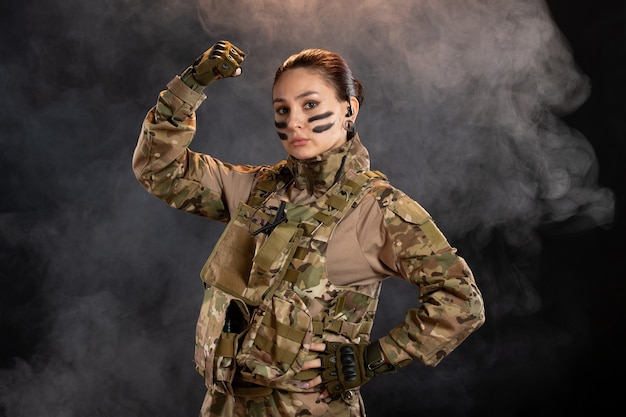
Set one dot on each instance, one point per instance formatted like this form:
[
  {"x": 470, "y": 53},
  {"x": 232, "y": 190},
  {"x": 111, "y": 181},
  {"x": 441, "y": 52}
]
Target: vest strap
[
  {"x": 284, "y": 330},
  {"x": 257, "y": 391},
  {"x": 305, "y": 375},
  {"x": 342, "y": 327}
]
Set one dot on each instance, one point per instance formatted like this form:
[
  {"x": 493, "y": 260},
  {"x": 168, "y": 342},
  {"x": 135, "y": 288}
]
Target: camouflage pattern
[
  {"x": 281, "y": 404},
  {"x": 211, "y": 322},
  {"x": 166, "y": 167},
  {"x": 185, "y": 94},
  {"x": 287, "y": 282},
  {"x": 452, "y": 305},
  {"x": 280, "y": 280}
]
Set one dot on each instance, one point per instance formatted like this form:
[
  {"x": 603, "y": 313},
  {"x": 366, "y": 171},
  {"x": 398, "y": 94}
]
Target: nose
[{"x": 296, "y": 120}]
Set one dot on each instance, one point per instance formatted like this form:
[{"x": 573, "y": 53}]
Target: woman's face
[{"x": 308, "y": 116}]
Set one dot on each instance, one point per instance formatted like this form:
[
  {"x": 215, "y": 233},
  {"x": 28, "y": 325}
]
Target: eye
[
  {"x": 310, "y": 104},
  {"x": 281, "y": 110}
]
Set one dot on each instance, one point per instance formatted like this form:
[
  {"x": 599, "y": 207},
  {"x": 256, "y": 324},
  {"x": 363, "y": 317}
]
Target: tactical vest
[{"x": 267, "y": 273}]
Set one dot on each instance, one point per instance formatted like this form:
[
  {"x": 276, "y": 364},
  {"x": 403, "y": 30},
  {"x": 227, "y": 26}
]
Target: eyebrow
[{"x": 306, "y": 93}]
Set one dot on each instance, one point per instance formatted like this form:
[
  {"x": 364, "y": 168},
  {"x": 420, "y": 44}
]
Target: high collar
[{"x": 316, "y": 175}]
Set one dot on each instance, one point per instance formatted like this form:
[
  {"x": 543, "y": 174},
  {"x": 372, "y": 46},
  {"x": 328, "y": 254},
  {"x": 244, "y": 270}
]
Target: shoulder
[
  {"x": 395, "y": 203},
  {"x": 406, "y": 220}
]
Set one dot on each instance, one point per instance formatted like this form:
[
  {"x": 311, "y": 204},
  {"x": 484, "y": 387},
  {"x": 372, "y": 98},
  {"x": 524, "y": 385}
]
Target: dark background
[{"x": 505, "y": 119}]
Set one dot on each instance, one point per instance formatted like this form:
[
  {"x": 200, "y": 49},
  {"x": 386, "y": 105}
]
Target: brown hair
[{"x": 331, "y": 66}]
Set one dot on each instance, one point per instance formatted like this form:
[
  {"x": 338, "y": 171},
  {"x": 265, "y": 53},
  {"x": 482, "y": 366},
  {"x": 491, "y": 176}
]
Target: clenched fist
[{"x": 222, "y": 60}]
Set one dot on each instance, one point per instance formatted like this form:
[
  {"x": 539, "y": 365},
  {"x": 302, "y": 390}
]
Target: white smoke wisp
[
  {"x": 463, "y": 106},
  {"x": 469, "y": 93}
]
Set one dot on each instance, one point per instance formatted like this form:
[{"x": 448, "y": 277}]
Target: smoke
[
  {"x": 463, "y": 111},
  {"x": 472, "y": 93}
]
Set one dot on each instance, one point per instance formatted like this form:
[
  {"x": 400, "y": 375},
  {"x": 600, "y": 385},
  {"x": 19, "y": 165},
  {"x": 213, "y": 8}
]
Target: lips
[{"x": 298, "y": 141}]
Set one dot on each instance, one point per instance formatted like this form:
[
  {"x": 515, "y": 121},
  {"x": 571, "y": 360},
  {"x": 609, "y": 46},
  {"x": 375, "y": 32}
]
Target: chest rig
[{"x": 269, "y": 268}]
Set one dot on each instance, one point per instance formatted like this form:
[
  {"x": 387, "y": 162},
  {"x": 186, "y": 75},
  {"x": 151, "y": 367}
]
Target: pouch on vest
[
  {"x": 225, "y": 278},
  {"x": 277, "y": 344},
  {"x": 216, "y": 342},
  {"x": 248, "y": 266},
  {"x": 208, "y": 330},
  {"x": 228, "y": 267},
  {"x": 235, "y": 325}
]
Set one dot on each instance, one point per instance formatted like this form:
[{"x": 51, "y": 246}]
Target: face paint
[
  {"x": 316, "y": 129},
  {"x": 323, "y": 128},
  {"x": 281, "y": 125},
  {"x": 320, "y": 116}
]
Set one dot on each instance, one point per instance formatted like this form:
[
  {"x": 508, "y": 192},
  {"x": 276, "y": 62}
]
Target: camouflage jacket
[{"x": 385, "y": 234}]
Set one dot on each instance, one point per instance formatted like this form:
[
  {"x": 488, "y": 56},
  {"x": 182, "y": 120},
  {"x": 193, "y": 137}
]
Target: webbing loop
[
  {"x": 337, "y": 202},
  {"x": 275, "y": 243},
  {"x": 342, "y": 327},
  {"x": 279, "y": 354},
  {"x": 186, "y": 94},
  {"x": 284, "y": 330},
  {"x": 226, "y": 345}
]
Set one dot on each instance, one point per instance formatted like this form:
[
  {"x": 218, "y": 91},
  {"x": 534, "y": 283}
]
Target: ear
[{"x": 354, "y": 105}]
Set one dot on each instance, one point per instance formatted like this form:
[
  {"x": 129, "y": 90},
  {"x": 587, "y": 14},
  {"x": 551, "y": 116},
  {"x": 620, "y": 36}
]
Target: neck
[{"x": 316, "y": 175}]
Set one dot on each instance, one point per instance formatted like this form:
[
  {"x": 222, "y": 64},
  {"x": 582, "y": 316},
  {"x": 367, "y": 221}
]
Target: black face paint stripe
[
  {"x": 320, "y": 116},
  {"x": 280, "y": 125},
  {"x": 323, "y": 128},
  {"x": 282, "y": 136}
]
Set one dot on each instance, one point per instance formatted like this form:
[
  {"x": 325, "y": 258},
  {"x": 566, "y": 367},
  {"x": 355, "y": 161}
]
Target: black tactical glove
[
  {"x": 222, "y": 60},
  {"x": 348, "y": 365}
]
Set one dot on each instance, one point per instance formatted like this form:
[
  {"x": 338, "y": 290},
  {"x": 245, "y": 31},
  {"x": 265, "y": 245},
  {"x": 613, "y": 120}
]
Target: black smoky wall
[{"x": 503, "y": 118}]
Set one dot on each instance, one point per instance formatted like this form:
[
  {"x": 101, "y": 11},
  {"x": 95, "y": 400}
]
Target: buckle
[{"x": 377, "y": 363}]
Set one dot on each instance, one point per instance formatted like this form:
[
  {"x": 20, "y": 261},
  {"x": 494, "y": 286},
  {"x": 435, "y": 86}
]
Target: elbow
[{"x": 475, "y": 311}]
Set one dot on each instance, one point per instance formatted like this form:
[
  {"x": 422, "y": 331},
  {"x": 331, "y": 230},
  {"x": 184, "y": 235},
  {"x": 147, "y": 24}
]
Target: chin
[
  {"x": 302, "y": 153},
  {"x": 301, "y": 156}
]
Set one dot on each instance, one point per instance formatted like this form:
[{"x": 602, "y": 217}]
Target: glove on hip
[{"x": 348, "y": 365}]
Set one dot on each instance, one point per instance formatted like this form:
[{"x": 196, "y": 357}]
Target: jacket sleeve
[
  {"x": 451, "y": 305},
  {"x": 166, "y": 167}
]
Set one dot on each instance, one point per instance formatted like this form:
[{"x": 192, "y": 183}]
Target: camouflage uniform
[{"x": 301, "y": 261}]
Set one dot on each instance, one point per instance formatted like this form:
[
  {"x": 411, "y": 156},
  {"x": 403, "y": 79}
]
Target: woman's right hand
[{"x": 222, "y": 60}]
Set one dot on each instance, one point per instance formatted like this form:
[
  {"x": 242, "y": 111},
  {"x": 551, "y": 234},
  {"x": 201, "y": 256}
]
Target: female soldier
[{"x": 292, "y": 285}]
